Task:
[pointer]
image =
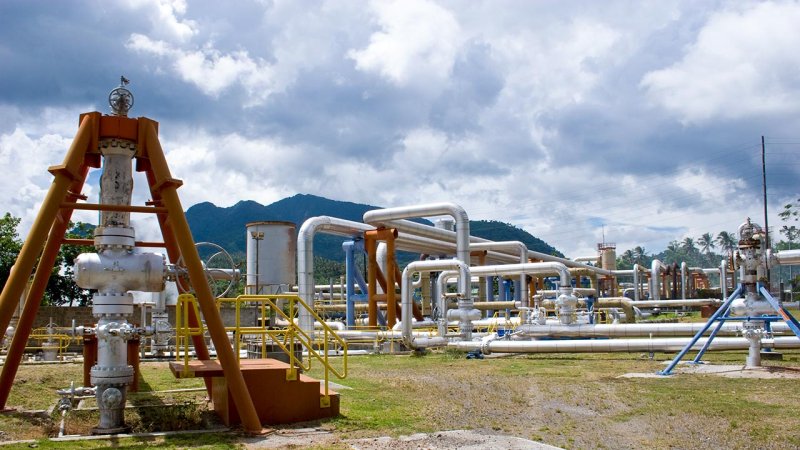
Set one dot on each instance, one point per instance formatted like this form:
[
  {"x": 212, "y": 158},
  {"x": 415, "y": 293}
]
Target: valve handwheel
[{"x": 219, "y": 268}]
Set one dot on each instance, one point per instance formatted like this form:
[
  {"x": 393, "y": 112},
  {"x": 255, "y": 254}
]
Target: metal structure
[
  {"x": 756, "y": 308},
  {"x": 114, "y": 142}
]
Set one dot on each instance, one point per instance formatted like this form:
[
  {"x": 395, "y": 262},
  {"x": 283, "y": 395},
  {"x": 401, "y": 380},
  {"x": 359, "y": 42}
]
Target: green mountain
[{"x": 226, "y": 226}]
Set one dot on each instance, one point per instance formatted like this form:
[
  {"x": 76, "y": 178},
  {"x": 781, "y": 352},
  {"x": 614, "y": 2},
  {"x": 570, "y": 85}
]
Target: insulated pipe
[
  {"x": 594, "y": 259},
  {"x": 522, "y": 293},
  {"x": 406, "y": 226},
  {"x": 616, "y": 345},
  {"x": 305, "y": 256},
  {"x": 636, "y": 287},
  {"x": 788, "y": 257},
  {"x": 683, "y": 279},
  {"x": 382, "y": 216},
  {"x": 723, "y": 277},
  {"x": 408, "y": 302},
  {"x": 566, "y": 298},
  {"x": 655, "y": 277},
  {"x": 629, "y": 330}
]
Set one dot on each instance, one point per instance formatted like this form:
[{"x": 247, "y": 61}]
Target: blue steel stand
[{"x": 723, "y": 314}]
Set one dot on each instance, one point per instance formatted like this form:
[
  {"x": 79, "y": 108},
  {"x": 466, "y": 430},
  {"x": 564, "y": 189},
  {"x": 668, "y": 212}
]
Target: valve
[{"x": 219, "y": 268}]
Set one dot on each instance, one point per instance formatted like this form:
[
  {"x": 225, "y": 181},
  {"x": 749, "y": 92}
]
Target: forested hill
[{"x": 226, "y": 226}]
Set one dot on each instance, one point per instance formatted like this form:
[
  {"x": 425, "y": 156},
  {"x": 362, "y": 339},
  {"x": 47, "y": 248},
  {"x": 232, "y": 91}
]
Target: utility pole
[{"x": 764, "y": 186}]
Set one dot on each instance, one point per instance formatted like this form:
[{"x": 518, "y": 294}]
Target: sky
[{"x": 631, "y": 122}]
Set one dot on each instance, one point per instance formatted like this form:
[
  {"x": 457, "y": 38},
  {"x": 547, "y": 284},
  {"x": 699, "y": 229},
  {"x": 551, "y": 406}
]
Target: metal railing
[{"x": 285, "y": 307}]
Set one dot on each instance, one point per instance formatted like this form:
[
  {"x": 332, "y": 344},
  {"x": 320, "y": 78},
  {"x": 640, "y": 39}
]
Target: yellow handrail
[
  {"x": 285, "y": 338},
  {"x": 183, "y": 331}
]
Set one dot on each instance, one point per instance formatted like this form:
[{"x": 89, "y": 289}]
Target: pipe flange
[
  {"x": 120, "y": 375},
  {"x": 114, "y": 237}
]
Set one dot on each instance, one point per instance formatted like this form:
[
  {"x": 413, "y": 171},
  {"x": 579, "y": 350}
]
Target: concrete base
[{"x": 772, "y": 356}]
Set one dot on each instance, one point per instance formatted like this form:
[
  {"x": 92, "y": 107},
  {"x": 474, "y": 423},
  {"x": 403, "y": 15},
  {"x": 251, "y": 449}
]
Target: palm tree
[
  {"x": 706, "y": 242},
  {"x": 688, "y": 245},
  {"x": 638, "y": 254},
  {"x": 628, "y": 256},
  {"x": 726, "y": 241}
]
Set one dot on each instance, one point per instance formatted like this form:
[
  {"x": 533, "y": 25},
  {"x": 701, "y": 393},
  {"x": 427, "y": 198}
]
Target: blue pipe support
[{"x": 721, "y": 311}]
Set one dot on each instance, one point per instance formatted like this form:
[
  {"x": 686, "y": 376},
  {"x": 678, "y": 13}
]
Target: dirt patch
[
  {"x": 726, "y": 370},
  {"x": 454, "y": 439}
]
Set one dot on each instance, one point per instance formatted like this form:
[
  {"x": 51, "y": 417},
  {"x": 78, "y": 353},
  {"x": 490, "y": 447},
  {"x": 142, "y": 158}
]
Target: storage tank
[
  {"x": 271, "y": 257},
  {"x": 608, "y": 255}
]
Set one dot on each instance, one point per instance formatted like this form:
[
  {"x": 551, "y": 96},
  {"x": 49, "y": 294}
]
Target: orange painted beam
[{"x": 167, "y": 186}]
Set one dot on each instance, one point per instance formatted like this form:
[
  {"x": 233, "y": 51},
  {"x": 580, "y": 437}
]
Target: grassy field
[{"x": 573, "y": 401}]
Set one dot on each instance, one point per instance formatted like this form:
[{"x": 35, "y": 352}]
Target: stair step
[{"x": 277, "y": 400}]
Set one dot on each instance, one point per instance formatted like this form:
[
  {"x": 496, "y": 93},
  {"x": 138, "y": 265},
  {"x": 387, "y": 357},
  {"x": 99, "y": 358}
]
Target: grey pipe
[
  {"x": 616, "y": 345},
  {"x": 656, "y": 267},
  {"x": 305, "y": 256},
  {"x": 788, "y": 257},
  {"x": 407, "y": 300},
  {"x": 630, "y": 330},
  {"x": 521, "y": 248}
]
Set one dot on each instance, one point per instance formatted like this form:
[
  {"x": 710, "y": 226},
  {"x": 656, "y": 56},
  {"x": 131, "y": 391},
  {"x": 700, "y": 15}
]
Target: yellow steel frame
[{"x": 317, "y": 346}]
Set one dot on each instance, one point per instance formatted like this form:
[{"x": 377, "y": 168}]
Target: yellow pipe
[{"x": 168, "y": 187}]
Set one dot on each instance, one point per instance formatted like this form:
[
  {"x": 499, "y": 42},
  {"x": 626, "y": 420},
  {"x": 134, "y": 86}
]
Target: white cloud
[
  {"x": 744, "y": 62},
  {"x": 418, "y": 41},
  {"x": 30, "y": 156},
  {"x": 210, "y": 70},
  {"x": 165, "y": 18}
]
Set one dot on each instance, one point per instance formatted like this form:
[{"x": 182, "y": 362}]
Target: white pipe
[
  {"x": 379, "y": 216},
  {"x": 594, "y": 259},
  {"x": 788, "y": 257},
  {"x": 723, "y": 277},
  {"x": 305, "y": 256},
  {"x": 408, "y": 302},
  {"x": 522, "y": 294},
  {"x": 674, "y": 303},
  {"x": 655, "y": 277},
  {"x": 426, "y": 323},
  {"x": 617, "y": 345},
  {"x": 630, "y": 330},
  {"x": 636, "y": 287},
  {"x": 406, "y": 226},
  {"x": 684, "y": 266}
]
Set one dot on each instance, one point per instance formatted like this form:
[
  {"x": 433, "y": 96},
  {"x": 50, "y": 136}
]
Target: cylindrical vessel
[{"x": 271, "y": 257}]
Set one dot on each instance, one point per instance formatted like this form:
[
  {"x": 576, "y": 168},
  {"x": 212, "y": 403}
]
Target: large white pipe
[
  {"x": 723, "y": 277},
  {"x": 518, "y": 246},
  {"x": 788, "y": 257},
  {"x": 656, "y": 267},
  {"x": 305, "y": 256},
  {"x": 387, "y": 215},
  {"x": 630, "y": 330},
  {"x": 407, "y": 300},
  {"x": 684, "y": 267},
  {"x": 676, "y": 303},
  {"x": 338, "y": 227},
  {"x": 406, "y": 226},
  {"x": 617, "y": 345}
]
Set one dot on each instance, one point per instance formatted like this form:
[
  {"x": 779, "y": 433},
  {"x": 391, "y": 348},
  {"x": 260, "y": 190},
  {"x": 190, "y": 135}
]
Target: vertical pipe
[
  {"x": 168, "y": 186},
  {"x": 350, "y": 268},
  {"x": 372, "y": 280}
]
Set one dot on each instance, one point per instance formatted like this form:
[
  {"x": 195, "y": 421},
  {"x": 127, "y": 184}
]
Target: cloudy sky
[{"x": 570, "y": 119}]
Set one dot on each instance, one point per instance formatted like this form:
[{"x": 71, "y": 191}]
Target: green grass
[{"x": 568, "y": 400}]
